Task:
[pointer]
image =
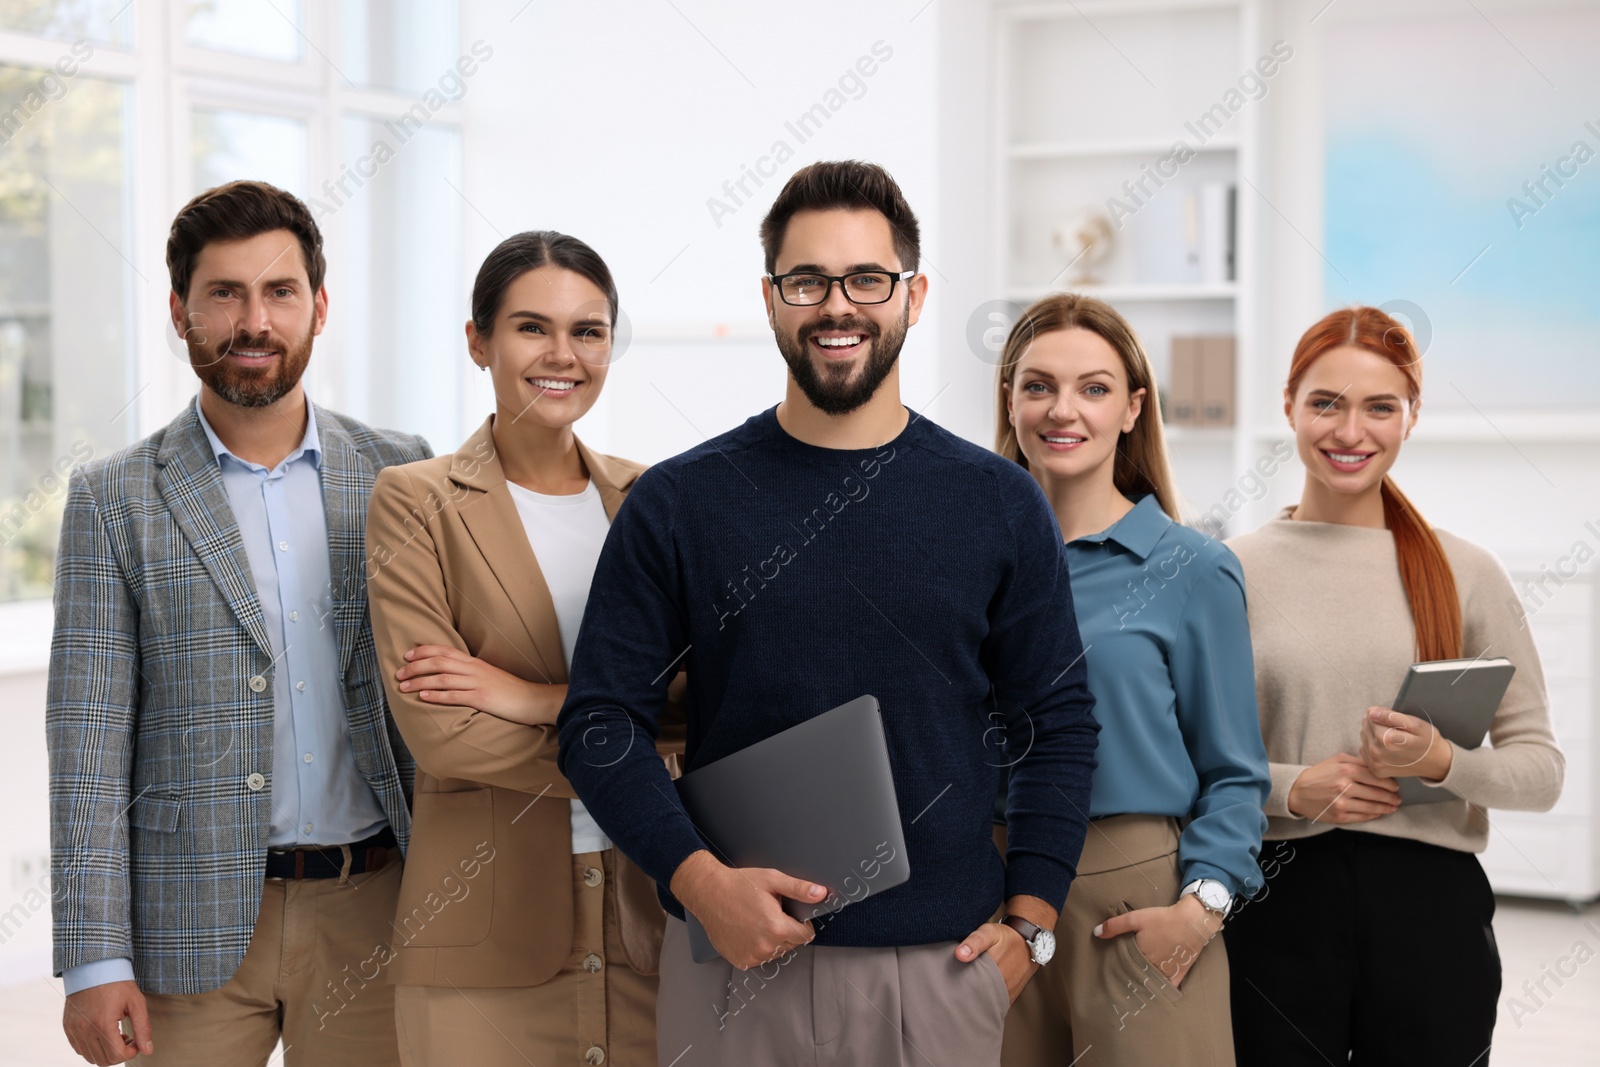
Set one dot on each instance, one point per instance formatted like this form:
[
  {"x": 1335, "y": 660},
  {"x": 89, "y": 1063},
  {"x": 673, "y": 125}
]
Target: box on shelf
[
  {"x": 1200, "y": 381},
  {"x": 1183, "y": 383}
]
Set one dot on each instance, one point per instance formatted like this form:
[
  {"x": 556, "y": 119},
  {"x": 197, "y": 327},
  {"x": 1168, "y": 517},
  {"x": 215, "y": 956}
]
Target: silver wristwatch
[
  {"x": 1212, "y": 894},
  {"x": 1041, "y": 942}
]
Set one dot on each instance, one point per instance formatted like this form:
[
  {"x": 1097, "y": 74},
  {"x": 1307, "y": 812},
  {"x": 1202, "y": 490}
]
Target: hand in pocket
[{"x": 1170, "y": 938}]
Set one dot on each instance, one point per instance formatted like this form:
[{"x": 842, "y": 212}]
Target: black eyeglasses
[{"x": 805, "y": 289}]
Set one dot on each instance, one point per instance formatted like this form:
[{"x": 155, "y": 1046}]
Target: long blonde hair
[{"x": 1141, "y": 464}]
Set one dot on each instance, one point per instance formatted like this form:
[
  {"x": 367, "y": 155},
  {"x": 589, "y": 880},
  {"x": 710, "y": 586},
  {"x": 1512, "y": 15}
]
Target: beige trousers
[
  {"x": 312, "y": 976},
  {"x": 596, "y": 1010},
  {"x": 912, "y": 1006},
  {"x": 1101, "y": 1002}
]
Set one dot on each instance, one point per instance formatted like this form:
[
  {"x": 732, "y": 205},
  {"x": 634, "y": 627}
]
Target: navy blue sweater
[{"x": 789, "y": 579}]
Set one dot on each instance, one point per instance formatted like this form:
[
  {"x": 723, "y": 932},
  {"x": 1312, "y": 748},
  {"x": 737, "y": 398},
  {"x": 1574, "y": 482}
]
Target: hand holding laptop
[{"x": 742, "y": 908}]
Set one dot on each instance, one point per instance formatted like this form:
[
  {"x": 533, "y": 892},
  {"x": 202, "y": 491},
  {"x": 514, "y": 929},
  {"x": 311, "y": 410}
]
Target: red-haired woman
[{"x": 1373, "y": 935}]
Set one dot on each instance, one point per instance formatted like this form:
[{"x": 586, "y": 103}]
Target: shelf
[
  {"x": 1465, "y": 426},
  {"x": 1103, "y": 149},
  {"x": 1198, "y": 435},
  {"x": 1132, "y": 293}
]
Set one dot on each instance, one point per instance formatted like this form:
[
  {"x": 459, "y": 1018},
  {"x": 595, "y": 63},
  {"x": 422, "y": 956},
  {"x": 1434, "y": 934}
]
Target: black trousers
[{"x": 1364, "y": 950}]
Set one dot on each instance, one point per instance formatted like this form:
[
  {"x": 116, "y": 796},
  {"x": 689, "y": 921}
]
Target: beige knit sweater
[{"x": 1332, "y": 636}]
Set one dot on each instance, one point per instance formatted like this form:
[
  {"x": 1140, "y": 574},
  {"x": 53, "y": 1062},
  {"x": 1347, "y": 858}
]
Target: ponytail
[{"x": 1425, "y": 572}]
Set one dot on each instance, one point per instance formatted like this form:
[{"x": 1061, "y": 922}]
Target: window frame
[{"x": 168, "y": 78}]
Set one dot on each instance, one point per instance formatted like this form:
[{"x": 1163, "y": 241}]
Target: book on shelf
[
  {"x": 1184, "y": 235},
  {"x": 1200, "y": 381}
]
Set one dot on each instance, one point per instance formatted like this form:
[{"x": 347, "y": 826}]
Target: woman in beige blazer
[{"x": 522, "y": 936}]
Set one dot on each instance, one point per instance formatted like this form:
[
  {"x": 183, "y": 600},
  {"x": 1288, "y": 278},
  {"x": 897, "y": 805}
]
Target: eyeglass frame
[{"x": 777, "y": 285}]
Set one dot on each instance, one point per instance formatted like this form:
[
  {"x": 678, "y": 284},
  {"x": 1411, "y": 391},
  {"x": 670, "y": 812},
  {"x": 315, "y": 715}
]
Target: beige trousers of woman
[{"x": 1102, "y": 1002}]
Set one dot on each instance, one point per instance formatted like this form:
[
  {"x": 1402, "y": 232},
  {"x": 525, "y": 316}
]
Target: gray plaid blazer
[{"x": 159, "y": 718}]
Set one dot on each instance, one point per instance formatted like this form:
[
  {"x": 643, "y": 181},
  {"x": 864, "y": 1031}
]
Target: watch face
[
  {"x": 1214, "y": 896},
  {"x": 1043, "y": 947}
]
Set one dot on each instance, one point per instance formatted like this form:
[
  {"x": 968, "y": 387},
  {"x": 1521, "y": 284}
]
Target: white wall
[{"x": 616, "y": 122}]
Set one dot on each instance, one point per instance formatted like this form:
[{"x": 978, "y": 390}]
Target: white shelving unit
[{"x": 1088, "y": 94}]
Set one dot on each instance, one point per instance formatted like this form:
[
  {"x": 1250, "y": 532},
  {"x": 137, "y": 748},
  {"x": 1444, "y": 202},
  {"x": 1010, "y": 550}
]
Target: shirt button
[
  {"x": 294, "y": 616},
  {"x": 596, "y": 1055},
  {"x": 592, "y": 876},
  {"x": 591, "y": 963},
  {"x": 300, "y": 686},
  {"x": 308, "y": 827},
  {"x": 283, "y": 546},
  {"x": 307, "y": 757},
  {"x": 256, "y": 783},
  {"x": 257, "y": 684}
]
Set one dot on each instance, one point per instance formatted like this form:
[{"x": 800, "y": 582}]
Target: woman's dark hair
[
  {"x": 530, "y": 250},
  {"x": 848, "y": 184},
  {"x": 234, "y": 212}
]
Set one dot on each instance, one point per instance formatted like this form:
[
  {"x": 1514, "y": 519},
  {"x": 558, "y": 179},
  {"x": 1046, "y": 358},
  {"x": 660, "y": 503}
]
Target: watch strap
[{"x": 1022, "y": 926}]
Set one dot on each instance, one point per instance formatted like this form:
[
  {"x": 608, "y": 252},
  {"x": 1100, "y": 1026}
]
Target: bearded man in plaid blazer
[{"x": 228, "y": 793}]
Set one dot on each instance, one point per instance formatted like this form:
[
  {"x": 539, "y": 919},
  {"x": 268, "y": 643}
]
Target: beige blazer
[{"x": 486, "y": 898}]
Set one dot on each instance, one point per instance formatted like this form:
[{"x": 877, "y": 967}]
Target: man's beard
[
  {"x": 250, "y": 387},
  {"x": 831, "y": 389}
]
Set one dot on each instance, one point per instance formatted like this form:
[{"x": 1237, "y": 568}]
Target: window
[
  {"x": 389, "y": 343},
  {"x": 226, "y": 143},
  {"x": 349, "y": 104},
  {"x": 97, "y": 21},
  {"x": 65, "y": 285},
  {"x": 249, "y": 27}
]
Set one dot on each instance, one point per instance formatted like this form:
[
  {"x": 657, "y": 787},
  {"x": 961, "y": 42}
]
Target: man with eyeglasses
[{"x": 833, "y": 546}]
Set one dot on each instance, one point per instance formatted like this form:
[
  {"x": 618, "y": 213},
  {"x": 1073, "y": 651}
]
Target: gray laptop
[
  {"x": 815, "y": 801},
  {"x": 1460, "y": 698}
]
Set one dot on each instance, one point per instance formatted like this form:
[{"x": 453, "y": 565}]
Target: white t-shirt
[{"x": 566, "y": 533}]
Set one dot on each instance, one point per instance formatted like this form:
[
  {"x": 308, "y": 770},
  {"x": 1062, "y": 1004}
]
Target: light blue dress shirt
[
  {"x": 318, "y": 795},
  {"x": 1161, "y": 610}
]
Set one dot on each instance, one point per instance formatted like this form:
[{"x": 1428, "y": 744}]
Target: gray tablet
[
  {"x": 1460, "y": 698},
  {"x": 815, "y": 801}
]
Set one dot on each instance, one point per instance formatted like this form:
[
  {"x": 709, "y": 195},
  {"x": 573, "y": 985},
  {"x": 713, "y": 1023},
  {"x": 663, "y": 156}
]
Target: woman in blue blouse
[{"x": 1176, "y": 804}]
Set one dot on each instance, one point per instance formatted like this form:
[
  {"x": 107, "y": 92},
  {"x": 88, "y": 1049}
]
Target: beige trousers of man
[
  {"x": 1101, "y": 1002},
  {"x": 830, "y": 1007},
  {"x": 596, "y": 1010},
  {"x": 312, "y": 976}
]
